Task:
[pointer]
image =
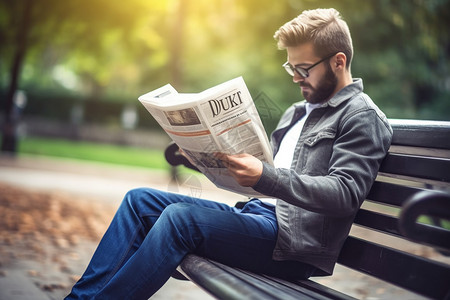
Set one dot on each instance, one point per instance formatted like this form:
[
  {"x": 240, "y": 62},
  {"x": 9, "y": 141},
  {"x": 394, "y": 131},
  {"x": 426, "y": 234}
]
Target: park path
[{"x": 42, "y": 263}]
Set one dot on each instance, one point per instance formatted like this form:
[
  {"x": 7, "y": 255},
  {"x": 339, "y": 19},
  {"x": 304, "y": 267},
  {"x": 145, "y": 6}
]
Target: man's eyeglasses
[{"x": 303, "y": 71}]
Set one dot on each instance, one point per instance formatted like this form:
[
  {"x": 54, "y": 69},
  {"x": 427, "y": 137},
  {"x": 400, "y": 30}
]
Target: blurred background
[
  {"x": 72, "y": 70},
  {"x": 74, "y": 137}
]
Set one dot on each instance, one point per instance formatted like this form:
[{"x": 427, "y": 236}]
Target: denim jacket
[{"x": 335, "y": 163}]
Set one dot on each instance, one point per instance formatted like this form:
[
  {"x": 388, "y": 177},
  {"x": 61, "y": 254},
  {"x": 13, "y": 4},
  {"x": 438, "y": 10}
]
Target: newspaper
[{"x": 220, "y": 119}]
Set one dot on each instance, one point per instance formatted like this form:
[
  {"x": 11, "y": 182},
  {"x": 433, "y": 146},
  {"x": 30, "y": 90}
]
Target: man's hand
[{"x": 245, "y": 168}]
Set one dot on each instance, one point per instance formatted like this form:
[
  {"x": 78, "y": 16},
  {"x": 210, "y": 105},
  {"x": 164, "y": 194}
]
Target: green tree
[
  {"x": 402, "y": 52},
  {"x": 121, "y": 50},
  {"x": 73, "y": 27}
]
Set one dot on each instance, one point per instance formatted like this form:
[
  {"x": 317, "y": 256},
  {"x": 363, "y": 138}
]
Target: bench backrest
[
  {"x": 418, "y": 161},
  {"x": 416, "y": 167}
]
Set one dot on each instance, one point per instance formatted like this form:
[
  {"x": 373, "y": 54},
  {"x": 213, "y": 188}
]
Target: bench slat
[
  {"x": 320, "y": 289},
  {"x": 306, "y": 286},
  {"x": 215, "y": 281},
  {"x": 397, "y": 267},
  {"x": 389, "y": 193},
  {"x": 431, "y": 168},
  {"x": 433, "y": 236},
  {"x": 417, "y": 133},
  {"x": 271, "y": 287},
  {"x": 225, "y": 282},
  {"x": 378, "y": 221}
]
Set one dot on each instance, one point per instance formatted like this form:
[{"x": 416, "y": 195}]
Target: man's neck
[{"x": 343, "y": 81}]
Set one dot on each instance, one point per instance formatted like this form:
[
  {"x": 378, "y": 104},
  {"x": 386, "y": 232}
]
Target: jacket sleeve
[{"x": 359, "y": 147}]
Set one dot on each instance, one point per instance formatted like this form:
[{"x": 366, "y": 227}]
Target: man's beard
[{"x": 325, "y": 88}]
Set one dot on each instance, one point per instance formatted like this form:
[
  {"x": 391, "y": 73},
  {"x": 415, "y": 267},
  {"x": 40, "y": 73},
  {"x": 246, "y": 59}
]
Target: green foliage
[{"x": 115, "y": 51}]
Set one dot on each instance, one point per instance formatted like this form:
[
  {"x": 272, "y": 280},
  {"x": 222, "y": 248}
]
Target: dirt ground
[
  {"x": 48, "y": 236},
  {"x": 53, "y": 213}
]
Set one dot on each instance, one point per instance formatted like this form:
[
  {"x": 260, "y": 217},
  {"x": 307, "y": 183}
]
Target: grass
[
  {"x": 122, "y": 155},
  {"x": 442, "y": 223}
]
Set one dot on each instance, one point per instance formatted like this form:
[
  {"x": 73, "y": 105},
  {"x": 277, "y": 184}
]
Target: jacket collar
[{"x": 346, "y": 93}]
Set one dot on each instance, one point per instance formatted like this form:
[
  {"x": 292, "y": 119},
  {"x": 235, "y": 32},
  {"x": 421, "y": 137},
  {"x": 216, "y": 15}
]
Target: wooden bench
[{"x": 413, "y": 181}]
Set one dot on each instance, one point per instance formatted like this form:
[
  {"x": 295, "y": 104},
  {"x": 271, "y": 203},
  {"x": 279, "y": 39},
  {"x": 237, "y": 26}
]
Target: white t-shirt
[{"x": 285, "y": 154}]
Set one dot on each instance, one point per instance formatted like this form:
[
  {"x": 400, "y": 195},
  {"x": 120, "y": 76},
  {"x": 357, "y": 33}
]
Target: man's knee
[
  {"x": 140, "y": 199},
  {"x": 185, "y": 218},
  {"x": 180, "y": 220},
  {"x": 180, "y": 213},
  {"x": 134, "y": 196}
]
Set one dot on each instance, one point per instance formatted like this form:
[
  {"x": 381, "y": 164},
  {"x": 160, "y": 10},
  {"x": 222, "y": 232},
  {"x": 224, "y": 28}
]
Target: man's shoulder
[{"x": 362, "y": 104}]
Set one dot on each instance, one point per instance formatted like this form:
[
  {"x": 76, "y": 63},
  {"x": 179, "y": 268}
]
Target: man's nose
[{"x": 297, "y": 78}]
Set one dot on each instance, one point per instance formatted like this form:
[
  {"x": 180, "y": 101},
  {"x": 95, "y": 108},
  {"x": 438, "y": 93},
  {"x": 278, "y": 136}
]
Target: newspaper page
[{"x": 220, "y": 119}]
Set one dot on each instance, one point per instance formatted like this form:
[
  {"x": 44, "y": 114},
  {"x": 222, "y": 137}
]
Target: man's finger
[{"x": 224, "y": 158}]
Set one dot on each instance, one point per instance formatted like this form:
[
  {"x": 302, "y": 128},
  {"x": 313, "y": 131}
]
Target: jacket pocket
[
  {"x": 313, "y": 139},
  {"x": 316, "y": 154}
]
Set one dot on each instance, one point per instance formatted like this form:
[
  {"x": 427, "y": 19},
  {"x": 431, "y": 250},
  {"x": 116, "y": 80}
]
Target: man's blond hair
[{"x": 325, "y": 28}]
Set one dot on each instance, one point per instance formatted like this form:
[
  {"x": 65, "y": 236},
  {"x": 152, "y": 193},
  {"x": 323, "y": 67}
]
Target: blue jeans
[{"x": 153, "y": 230}]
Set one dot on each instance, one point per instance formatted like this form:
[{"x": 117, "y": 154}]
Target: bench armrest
[
  {"x": 175, "y": 158},
  {"x": 430, "y": 203}
]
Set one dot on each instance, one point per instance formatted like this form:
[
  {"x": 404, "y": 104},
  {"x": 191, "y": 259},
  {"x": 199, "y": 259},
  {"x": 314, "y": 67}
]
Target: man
[{"x": 327, "y": 154}]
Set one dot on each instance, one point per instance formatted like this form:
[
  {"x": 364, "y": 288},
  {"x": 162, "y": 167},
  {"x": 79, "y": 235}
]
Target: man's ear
[{"x": 340, "y": 61}]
